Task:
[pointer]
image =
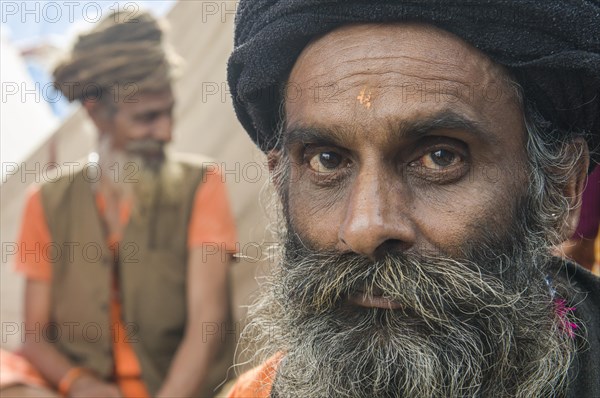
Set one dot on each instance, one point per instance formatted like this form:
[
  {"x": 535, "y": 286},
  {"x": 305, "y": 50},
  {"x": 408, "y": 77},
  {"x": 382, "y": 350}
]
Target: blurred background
[{"x": 40, "y": 127}]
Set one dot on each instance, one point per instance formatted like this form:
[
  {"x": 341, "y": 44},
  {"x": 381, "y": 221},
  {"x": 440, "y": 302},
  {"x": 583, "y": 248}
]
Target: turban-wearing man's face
[{"x": 413, "y": 265}]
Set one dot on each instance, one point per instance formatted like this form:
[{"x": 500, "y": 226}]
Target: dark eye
[
  {"x": 439, "y": 159},
  {"x": 326, "y": 162},
  {"x": 150, "y": 117}
]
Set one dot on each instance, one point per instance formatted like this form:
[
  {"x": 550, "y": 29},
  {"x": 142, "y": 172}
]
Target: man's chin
[
  {"x": 411, "y": 325},
  {"x": 150, "y": 161},
  {"x": 370, "y": 325},
  {"x": 373, "y": 301}
]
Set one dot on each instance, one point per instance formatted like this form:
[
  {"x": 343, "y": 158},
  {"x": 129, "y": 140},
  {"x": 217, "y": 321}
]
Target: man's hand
[
  {"x": 51, "y": 363},
  {"x": 89, "y": 386}
]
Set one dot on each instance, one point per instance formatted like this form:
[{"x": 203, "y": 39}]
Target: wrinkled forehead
[
  {"x": 365, "y": 74},
  {"x": 424, "y": 50}
]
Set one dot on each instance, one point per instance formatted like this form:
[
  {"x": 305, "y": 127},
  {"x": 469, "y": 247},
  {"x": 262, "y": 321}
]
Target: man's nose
[
  {"x": 162, "y": 128},
  {"x": 377, "y": 217}
]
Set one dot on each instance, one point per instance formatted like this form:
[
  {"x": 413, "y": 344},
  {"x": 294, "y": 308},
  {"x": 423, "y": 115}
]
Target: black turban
[{"x": 552, "y": 47}]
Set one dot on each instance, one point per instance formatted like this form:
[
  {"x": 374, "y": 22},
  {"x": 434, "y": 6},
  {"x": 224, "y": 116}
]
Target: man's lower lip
[{"x": 363, "y": 300}]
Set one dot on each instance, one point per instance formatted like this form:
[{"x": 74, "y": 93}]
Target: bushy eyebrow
[
  {"x": 445, "y": 120},
  {"x": 408, "y": 130},
  {"x": 166, "y": 107},
  {"x": 315, "y": 135}
]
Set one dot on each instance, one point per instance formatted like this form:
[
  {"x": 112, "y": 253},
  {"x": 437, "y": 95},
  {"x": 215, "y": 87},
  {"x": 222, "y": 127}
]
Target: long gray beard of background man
[
  {"x": 140, "y": 172},
  {"x": 483, "y": 325}
]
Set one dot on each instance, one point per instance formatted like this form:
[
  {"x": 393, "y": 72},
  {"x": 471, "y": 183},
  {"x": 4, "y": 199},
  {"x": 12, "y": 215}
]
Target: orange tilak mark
[{"x": 364, "y": 99}]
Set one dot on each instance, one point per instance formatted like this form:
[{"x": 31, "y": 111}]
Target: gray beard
[
  {"x": 143, "y": 178},
  {"x": 482, "y": 325}
]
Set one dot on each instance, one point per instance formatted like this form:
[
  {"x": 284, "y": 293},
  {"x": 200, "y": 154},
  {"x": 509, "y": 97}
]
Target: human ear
[
  {"x": 99, "y": 115},
  {"x": 573, "y": 189}
]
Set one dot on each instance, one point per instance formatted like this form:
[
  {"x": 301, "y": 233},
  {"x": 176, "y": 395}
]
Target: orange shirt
[
  {"x": 257, "y": 382},
  {"x": 211, "y": 221}
]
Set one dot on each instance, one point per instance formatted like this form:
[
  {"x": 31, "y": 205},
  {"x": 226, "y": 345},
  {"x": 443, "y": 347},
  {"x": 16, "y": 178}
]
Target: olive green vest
[{"x": 152, "y": 266}]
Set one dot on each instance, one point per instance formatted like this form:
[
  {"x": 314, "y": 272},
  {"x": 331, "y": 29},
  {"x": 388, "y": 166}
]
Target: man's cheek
[
  {"x": 441, "y": 234},
  {"x": 316, "y": 216},
  {"x": 452, "y": 220}
]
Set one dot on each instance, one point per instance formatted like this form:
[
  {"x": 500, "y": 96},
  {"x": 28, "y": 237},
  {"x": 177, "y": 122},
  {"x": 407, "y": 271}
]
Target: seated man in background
[
  {"x": 129, "y": 319},
  {"x": 427, "y": 157}
]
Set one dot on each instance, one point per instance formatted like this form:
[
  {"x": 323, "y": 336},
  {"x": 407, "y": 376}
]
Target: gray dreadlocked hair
[
  {"x": 121, "y": 55},
  {"x": 553, "y": 162}
]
